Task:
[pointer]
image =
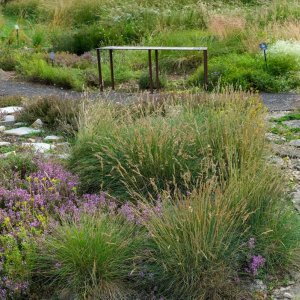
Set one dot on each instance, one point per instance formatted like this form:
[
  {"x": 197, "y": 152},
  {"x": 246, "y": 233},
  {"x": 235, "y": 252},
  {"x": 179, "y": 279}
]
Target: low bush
[
  {"x": 56, "y": 113},
  {"x": 144, "y": 82},
  {"x": 37, "y": 69},
  {"x": 28, "y": 9},
  {"x": 249, "y": 72},
  {"x": 10, "y": 101},
  {"x": 92, "y": 256}
]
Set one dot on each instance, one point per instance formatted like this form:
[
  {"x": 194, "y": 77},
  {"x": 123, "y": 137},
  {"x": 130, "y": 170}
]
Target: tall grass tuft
[
  {"x": 142, "y": 150},
  {"x": 91, "y": 257}
]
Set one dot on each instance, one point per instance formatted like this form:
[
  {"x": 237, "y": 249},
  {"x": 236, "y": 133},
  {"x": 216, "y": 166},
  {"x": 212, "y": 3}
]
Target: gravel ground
[{"x": 10, "y": 86}]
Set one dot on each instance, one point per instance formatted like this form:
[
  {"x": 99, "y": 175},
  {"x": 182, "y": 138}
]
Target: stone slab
[
  {"x": 10, "y": 110},
  {"x": 39, "y": 147},
  {"x": 53, "y": 138},
  {"x": 21, "y": 131}
]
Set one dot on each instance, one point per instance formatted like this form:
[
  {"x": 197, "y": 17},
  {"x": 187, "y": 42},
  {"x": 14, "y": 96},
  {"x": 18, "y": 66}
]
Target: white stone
[
  {"x": 53, "y": 138},
  {"x": 2, "y": 144},
  {"x": 38, "y": 123},
  {"x": 8, "y": 120},
  {"x": 295, "y": 143},
  {"x": 288, "y": 295},
  {"x": 274, "y": 137},
  {"x": 292, "y": 123},
  {"x": 2, "y": 128},
  {"x": 10, "y": 110},
  {"x": 20, "y": 124},
  {"x": 39, "y": 147},
  {"x": 21, "y": 131}
]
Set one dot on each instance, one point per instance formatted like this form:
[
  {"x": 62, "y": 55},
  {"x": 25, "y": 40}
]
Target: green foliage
[
  {"x": 144, "y": 82},
  {"x": 10, "y": 101},
  {"x": 91, "y": 257},
  {"x": 166, "y": 148},
  {"x": 28, "y": 9},
  {"x": 250, "y": 73},
  {"x": 37, "y": 69},
  {"x": 56, "y": 114},
  {"x": 200, "y": 246}
]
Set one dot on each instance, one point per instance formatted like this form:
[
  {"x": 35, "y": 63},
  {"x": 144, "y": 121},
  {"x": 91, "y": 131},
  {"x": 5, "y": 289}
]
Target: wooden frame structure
[{"x": 111, "y": 49}]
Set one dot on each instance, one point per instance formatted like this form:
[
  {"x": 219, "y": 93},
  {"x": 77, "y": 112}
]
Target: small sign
[
  {"x": 17, "y": 27},
  {"x": 52, "y": 55},
  {"x": 263, "y": 46}
]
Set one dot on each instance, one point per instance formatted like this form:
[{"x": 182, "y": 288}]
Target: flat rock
[
  {"x": 10, "y": 110},
  {"x": 2, "y": 144},
  {"x": 286, "y": 151},
  {"x": 21, "y": 131},
  {"x": 39, "y": 147},
  {"x": 295, "y": 143},
  {"x": 292, "y": 123},
  {"x": 53, "y": 138},
  {"x": 20, "y": 124},
  {"x": 8, "y": 120},
  {"x": 272, "y": 137},
  {"x": 2, "y": 128}
]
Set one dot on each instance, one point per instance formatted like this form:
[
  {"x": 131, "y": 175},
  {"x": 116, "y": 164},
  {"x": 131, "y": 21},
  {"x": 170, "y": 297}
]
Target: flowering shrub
[{"x": 26, "y": 209}]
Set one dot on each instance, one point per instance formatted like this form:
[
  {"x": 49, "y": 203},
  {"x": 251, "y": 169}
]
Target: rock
[
  {"x": 8, "y": 120},
  {"x": 295, "y": 143},
  {"x": 2, "y": 144},
  {"x": 39, "y": 147},
  {"x": 21, "y": 131},
  {"x": 276, "y": 160},
  {"x": 286, "y": 151},
  {"x": 2, "y": 128},
  {"x": 292, "y": 123},
  {"x": 31, "y": 140},
  {"x": 20, "y": 124},
  {"x": 38, "y": 124},
  {"x": 271, "y": 137},
  {"x": 287, "y": 295},
  {"x": 53, "y": 138},
  {"x": 296, "y": 199},
  {"x": 10, "y": 110}
]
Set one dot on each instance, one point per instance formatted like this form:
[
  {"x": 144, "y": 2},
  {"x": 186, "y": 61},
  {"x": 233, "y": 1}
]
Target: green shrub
[
  {"x": 167, "y": 147},
  {"x": 250, "y": 73},
  {"x": 56, "y": 113},
  {"x": 27, "y": 9},
  {"x": 37, "y": 69},
  {"x": 8, "y": 60},
  {"x": 92, "y": 257},
  {"x": 10, "y": 101},
  {"x": 144, "y": 82}
]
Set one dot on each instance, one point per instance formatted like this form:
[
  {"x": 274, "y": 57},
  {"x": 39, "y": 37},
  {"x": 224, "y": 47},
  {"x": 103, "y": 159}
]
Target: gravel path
[{"x": 9, "y": 86}]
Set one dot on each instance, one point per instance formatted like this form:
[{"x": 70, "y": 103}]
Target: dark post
[
  {"x": 156, "y": 69},
  {"x": 111, "y": 69},
  {"x": 205, "y": 65},
  {"x": 150, "y": 71},
  {"x": 100, "y": 70}
]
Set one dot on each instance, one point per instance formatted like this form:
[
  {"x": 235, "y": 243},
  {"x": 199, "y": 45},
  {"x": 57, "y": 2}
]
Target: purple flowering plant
[{"x": 27, "y": 208}]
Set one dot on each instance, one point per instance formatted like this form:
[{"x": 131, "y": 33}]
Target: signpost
[
  {"x": 17, "y": 28},
  {"x": 52, "y": 57},
  {"x": 264, "y": 47}
]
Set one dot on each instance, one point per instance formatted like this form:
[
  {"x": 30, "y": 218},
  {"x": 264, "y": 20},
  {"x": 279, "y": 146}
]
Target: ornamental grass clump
[
  {"x": 143, "y": 149},
  {"x": 202, "y": 245},
  {"x": 91, "y": 257}
]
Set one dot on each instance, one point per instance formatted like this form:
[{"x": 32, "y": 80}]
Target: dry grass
[
  {"x": 289, "y": 30},
  {"x": 224, "y": 26}
]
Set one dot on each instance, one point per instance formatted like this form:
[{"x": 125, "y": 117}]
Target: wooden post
[
  {"x": 100, "y": 70},
  {"x": 111, "y": 69},
  {"x": 150, "y": 71},
  {"x": 205, "y": 66},
  {"x": 156, "y": 69}
]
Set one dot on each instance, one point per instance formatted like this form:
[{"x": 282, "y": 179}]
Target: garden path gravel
[{"x": 11, "y": 86}]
